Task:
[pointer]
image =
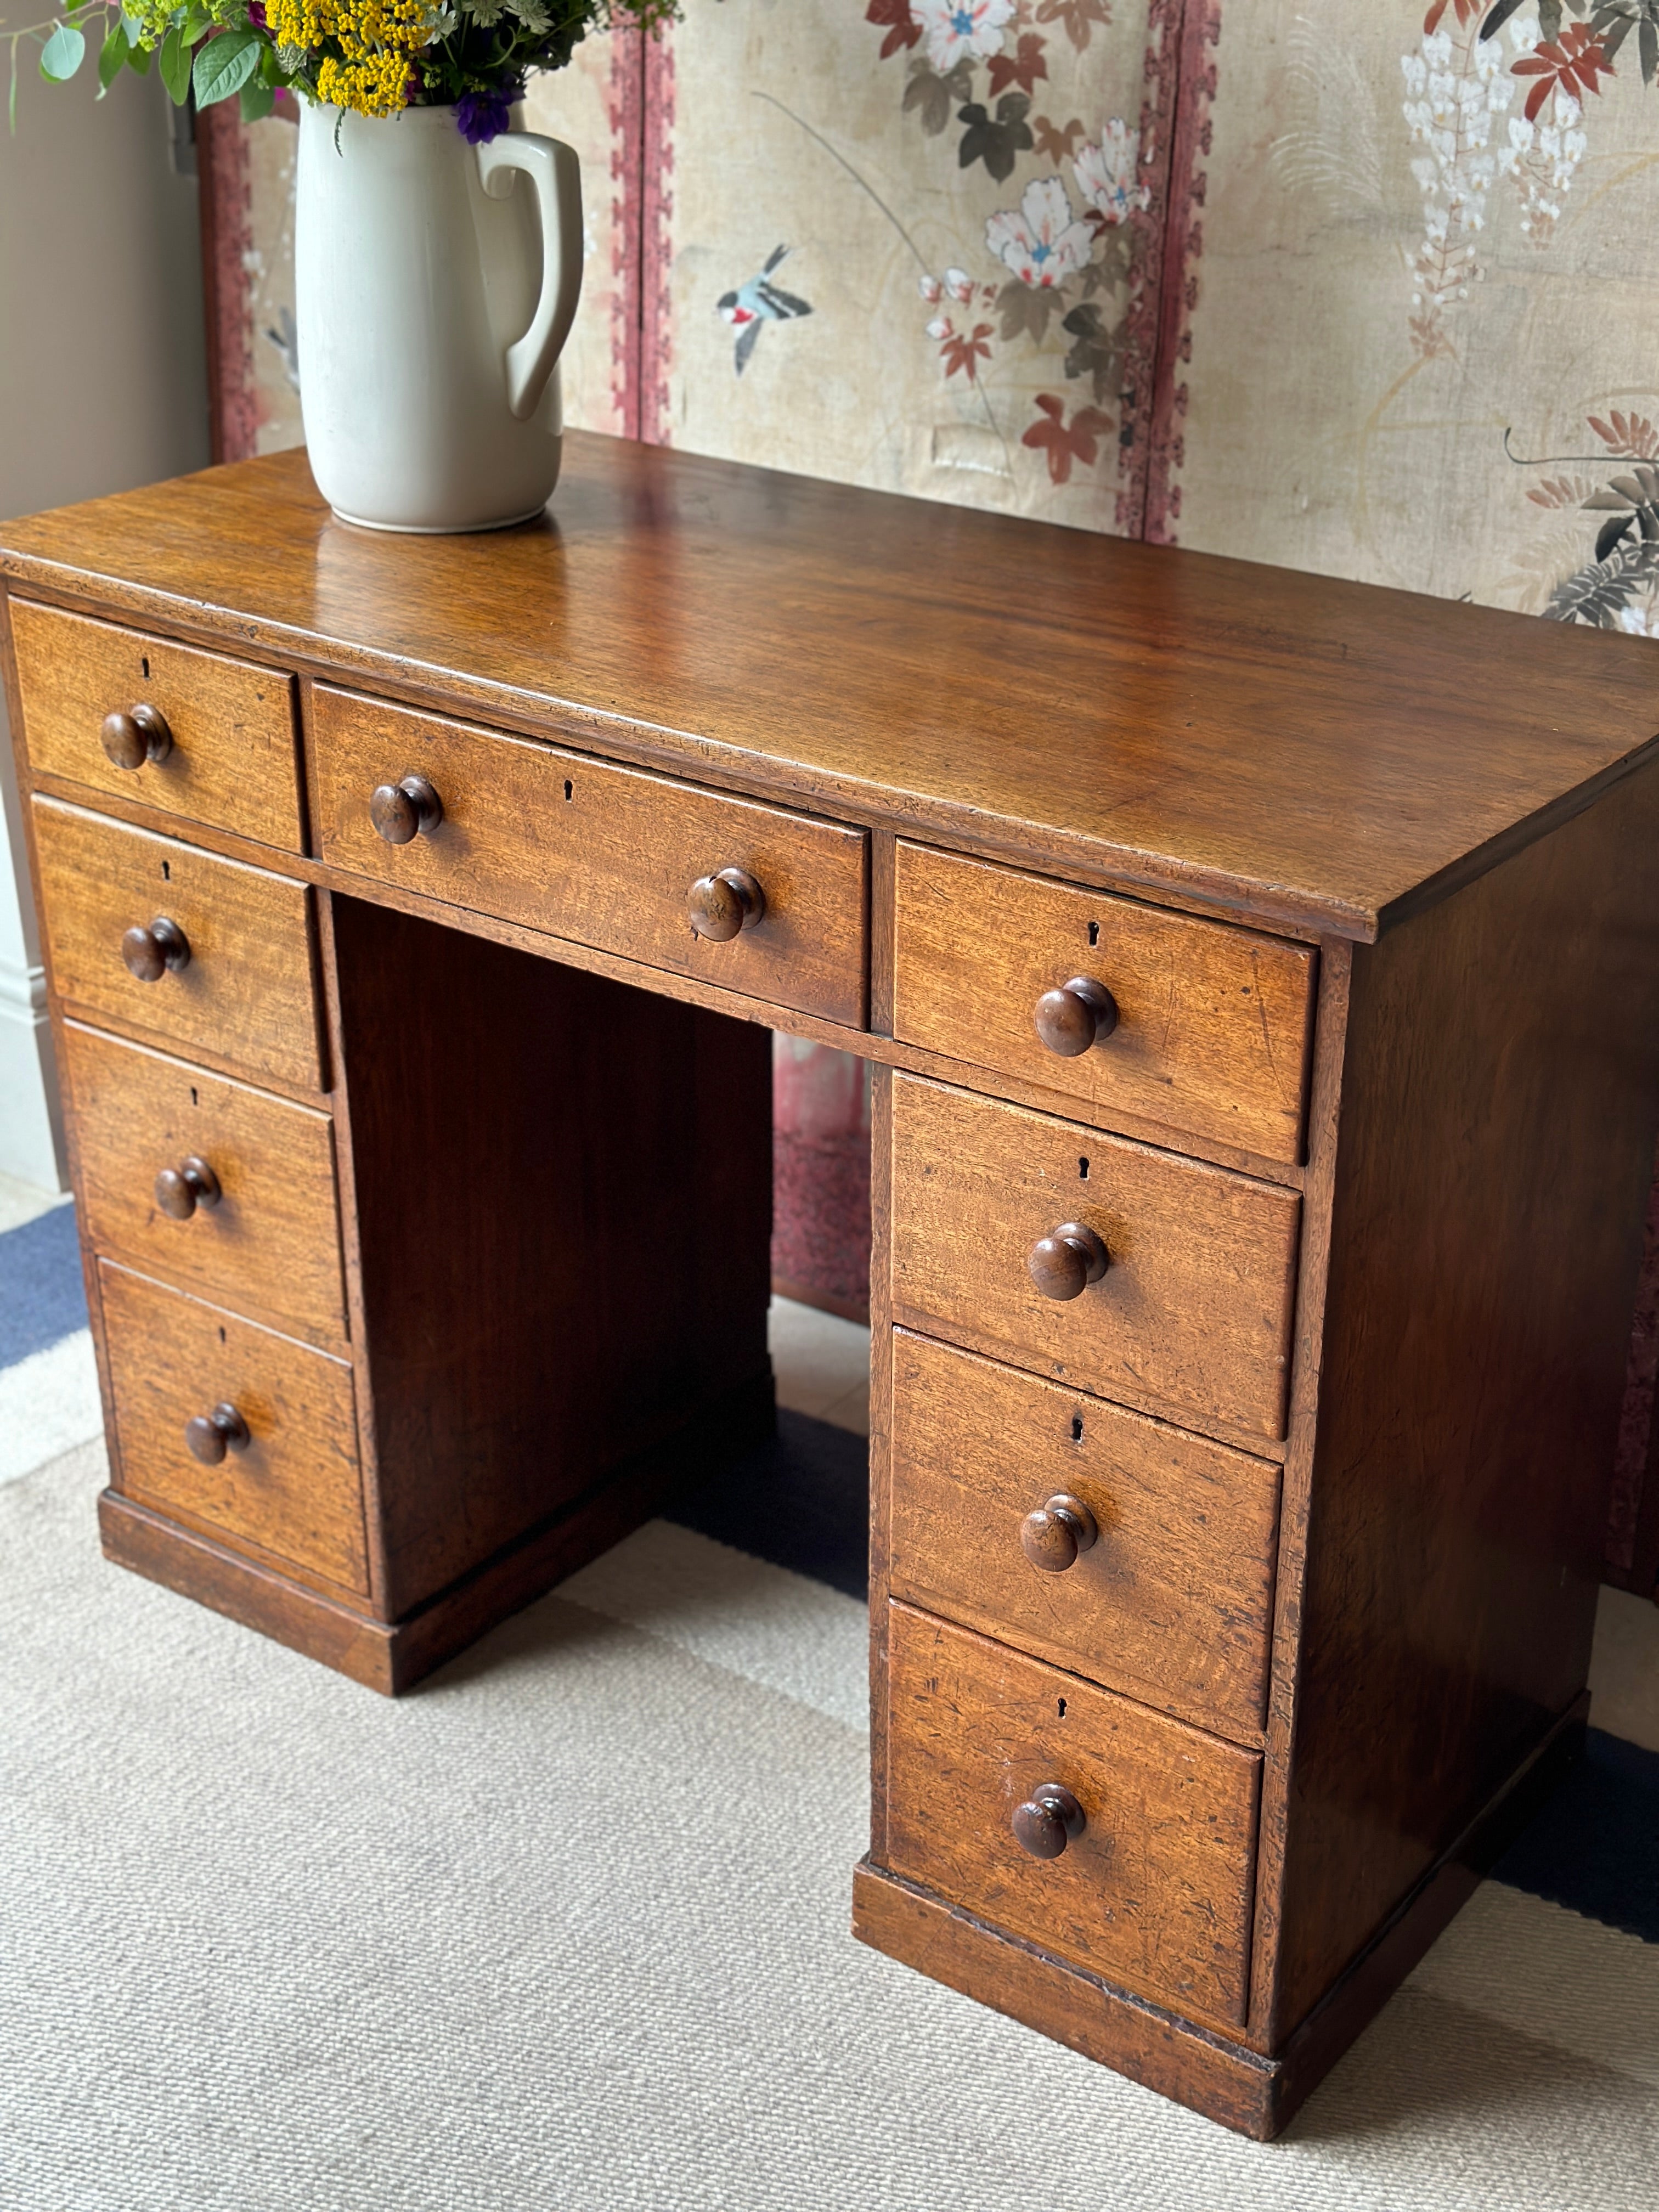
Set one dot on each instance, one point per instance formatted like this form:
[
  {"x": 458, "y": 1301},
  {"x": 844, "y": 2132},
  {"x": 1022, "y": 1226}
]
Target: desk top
[{"x": 1323, "y": 755}]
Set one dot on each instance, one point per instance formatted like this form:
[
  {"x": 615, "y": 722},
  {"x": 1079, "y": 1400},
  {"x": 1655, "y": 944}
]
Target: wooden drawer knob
[
  {"x": 1064, "y": 1265},
  {"x": 211, "y": 1436},
  {"x": 1049, "y": 1819},
  {"x": 1057, "y": 1531},
  {"x": 1076, "y": 1015},
  {"x": 180, "y": 1190},
  {"x": 139, "y": 735},
  {"x": 719, "y": 906},
  {"x": 151, "y": 953},
  {"x": 402, "y": 812}
]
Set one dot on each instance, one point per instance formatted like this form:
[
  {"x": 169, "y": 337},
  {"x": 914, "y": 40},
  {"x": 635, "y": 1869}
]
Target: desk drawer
[
  {"x": 244, "y": 992},
  {"x": 1193, "y": 1314},
  {"x": 262, "y": 1233},
  {"x": 1172, "y": 1599},
  {"x": 1214, "y": 1024},
  {"x": 228, "y": 753},
  {"x": 605, "y": 856},
  {"x": 292, "y": 1489},
  {"x": 1154, "y": 1892}
]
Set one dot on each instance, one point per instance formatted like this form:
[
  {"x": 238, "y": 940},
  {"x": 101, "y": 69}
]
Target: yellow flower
[
  {"x": 376, "y": 38},
  {"x": 373, "y": 86}
]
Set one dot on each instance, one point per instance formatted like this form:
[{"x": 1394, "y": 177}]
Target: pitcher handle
[{"x": 557, "y": 174}]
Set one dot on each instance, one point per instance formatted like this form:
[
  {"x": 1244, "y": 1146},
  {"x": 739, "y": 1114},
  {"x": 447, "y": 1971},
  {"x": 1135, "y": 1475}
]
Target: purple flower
[
  {"x": 482, "y": 116},
  {"x": 256, "y": 14}
]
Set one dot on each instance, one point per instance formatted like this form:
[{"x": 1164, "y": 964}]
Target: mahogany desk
[{"x": 1260, "y": 977}]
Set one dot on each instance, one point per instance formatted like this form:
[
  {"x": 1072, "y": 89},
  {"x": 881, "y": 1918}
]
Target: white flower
[
  {"x": 1105, "y": 173},
  {"x": 940, "y": 327},
  {"x": 929, "y": 287},
  {"x": 959, "y": 284},
  {"x": 958, "y": 30},
  {"x": 1042, "y": 242},
  {"x": 1640, "y": 622}
]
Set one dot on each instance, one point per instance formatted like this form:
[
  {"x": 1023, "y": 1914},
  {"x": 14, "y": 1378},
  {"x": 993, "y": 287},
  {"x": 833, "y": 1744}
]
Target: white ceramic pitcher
[{"x": 432, "y": 302}]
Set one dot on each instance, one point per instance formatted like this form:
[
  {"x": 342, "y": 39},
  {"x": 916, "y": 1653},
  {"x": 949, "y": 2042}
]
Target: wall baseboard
[{"x": 30, "y": 1130}]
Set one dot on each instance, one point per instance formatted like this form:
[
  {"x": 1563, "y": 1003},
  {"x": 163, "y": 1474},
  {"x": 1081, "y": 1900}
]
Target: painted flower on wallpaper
[
  {"x": 962, "y": 30},
  {"x": 1070, "y": 261},
  {"x": 1107, "y": 174},
  {"x": 1462, "y": 86},
  {"x": 1458, "y": 98},
  {"x": 1041, "y": 241},
  {"x": 1547, "y": 154}
]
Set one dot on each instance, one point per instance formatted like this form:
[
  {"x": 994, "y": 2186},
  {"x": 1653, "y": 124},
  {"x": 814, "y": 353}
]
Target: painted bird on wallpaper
[{"x": 760, "y": 301}]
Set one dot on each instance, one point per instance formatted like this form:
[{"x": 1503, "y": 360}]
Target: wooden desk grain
[
  {"x": 1280, "y": 742},
  {"x": 1381, "y": 878}
]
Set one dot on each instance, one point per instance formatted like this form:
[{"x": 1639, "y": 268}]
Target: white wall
[{"x": 103, "y": 385}]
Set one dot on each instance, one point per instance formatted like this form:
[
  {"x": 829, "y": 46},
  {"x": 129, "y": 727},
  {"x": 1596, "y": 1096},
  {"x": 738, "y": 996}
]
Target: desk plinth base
[
  {"x": 1254, "y": 2094},
  {"x": 392, "y": 1656}
]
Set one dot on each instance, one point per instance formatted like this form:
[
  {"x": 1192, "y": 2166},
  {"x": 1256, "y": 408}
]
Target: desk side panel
[{"x": 1501, "y": 1087}]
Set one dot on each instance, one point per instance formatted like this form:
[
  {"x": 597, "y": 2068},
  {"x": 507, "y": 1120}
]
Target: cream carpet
[{"x": 567, "y": 1929}]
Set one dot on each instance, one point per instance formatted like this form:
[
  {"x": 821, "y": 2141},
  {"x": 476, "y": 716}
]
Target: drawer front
[
  {"x": 1155, "y": 1892},
  {"x": 1214, "y": 1024},
  {"x": 1172, "y": 1599},
  {"x": 602, "y": 855},
  {"x": 244, "y": 994},
  {"x": 262, "y": 1233},
  {"x": 1193, "y": 1314},
  {"x": 293, "y": 1490},
  {"x": 230, "y": 757}
]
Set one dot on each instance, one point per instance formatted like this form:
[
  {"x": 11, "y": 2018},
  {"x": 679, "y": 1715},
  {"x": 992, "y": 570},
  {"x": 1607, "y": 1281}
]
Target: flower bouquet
[{"x": 363, "y": 57}]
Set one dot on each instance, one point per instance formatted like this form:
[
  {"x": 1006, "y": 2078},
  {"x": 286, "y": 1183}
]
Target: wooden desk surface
[{"x": 1323, "y": 755}]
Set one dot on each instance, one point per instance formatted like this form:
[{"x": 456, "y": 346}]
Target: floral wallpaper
[
  {"x": 917, "y": 244},
  {"x": 1422, "y": 348}
]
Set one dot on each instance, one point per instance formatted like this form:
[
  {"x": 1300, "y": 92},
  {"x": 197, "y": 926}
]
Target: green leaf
[
  {"x": 258, "y": 100},
  {"x": 175, "y": 65},
  {"x": 112, "y": 57},
  {"x": 1498, "y": 16},
  {"x": 138, "y": 59},
  {"x": 225, "y": 65},
  {"x": 63, "y": 54}
]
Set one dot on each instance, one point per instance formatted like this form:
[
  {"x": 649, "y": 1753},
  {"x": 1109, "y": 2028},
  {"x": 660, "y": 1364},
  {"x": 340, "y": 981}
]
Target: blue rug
[{"x": 41, "y": 1295}]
